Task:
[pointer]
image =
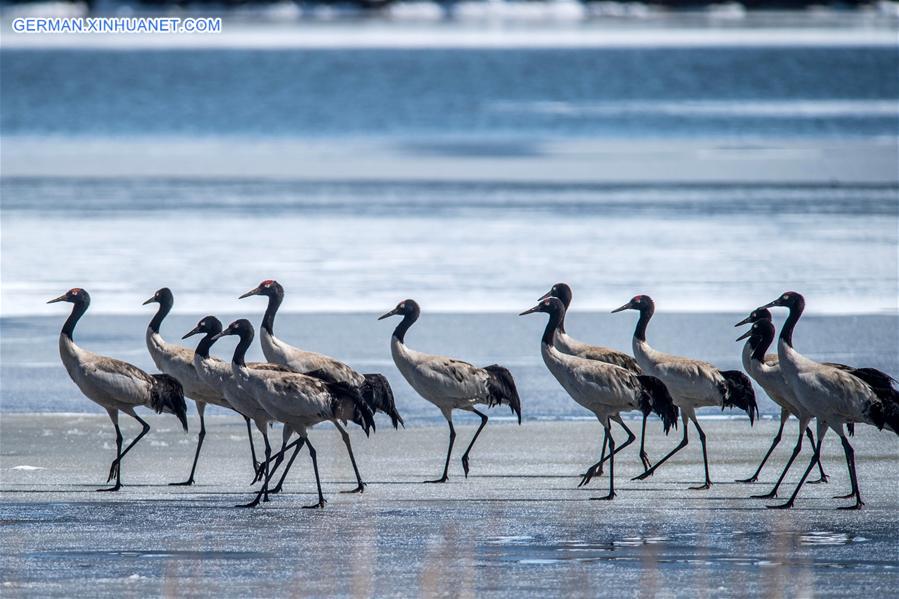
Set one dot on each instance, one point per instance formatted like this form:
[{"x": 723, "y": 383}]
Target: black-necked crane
[
  {"x": 833, "y": 396},
  {"x": 178, "y": 361},
  {"x": 115, "y": 385},
  {"x": 296, "y": 400},
  {"x": 604, "y": 389},
  {"x": 218, "y": 375},
  {"x": 450, "y": 384},
  {"x": 568, "y": 345},
  {"x": 373, "y": 388},
  {"x": 692, "y": 383},
  {"x": 765, "y": 369}
]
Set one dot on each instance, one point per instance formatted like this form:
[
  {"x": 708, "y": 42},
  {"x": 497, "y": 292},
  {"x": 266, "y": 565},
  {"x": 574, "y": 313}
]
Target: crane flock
[{"x": 300, "y": 388}]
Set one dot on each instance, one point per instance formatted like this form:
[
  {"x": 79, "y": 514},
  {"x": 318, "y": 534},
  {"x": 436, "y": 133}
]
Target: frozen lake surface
[{"x": 517, "y": 525}]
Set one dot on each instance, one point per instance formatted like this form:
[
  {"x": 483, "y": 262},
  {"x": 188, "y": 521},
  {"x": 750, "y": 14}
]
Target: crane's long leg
[
  {"x": 596, "y": 469},
  {"x": 853, "y": 476},
  {"x": 607, "y": 425},
  {"x": 318, "y": 483},
  {"x": 643, "y": 455},
  {"x": 116, "y": 465},
  {"x": 263, "y": 490},
  {"x": 201, "y": 409},
  {"x": 823, "y": 478},
  {"x": 705, "y": 458},
  {"x": 256, "y": 464},
  {"x": 473, "y": 439},
  {"x": 449, "y": 451},
  {"x": 784, "y": 416},
  {"x": 822, "y": 429},
  {"x": 297, "y": 445},
  {"x": 114, "y": 416},
  {"x": 680, "y": 446},
  {"x": 360, "y": 486},
  {"x": 803, "y": 424}
]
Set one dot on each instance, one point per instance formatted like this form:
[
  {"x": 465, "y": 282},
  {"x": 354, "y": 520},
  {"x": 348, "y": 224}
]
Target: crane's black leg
[
  {"x": 321, "y": 498},
  {"x": 473, "y": 439},
  {"x": 298, "y": 445},
  {"x": 201, "y": 409},
  {"x": 643, "y": 455},
  {"x": 853, "y": 476},
  {"x": 118, "y": 445},
  {"x": 449, "y": 452},
  {"x": 773, "y": 492},
  {"x": 360, "y": 486},
  {"x": 705, "y": 459},
  {"x": 256, "y": 464},
  {"x": 116, "y": 465},
  {"x": 784, "y": 415},
  {"x": 596, "y": 469},
  {"x": 262, "y": 495},
  {"x": 680, "y": 446},
  {"x": 822, "y": 429},
  {"x": 612, "y": 452},
  {"x": 823, "y": 478}
]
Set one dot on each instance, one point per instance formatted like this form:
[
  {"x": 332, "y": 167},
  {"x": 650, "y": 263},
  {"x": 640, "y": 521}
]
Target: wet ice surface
[{"x": 518, "y": 524}]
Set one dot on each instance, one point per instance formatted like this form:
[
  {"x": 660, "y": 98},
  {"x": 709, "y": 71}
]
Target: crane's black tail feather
[
  {"x": 378, "y": 395},
  {"x": 886, "y": 412},
  {"x": 362, "y": 413},
  {"x": 501, "y": 389},
  {"x": 739, "y": 393},
  {"x": 656, "y": 398},
  {"x": 167, "y": 395}
]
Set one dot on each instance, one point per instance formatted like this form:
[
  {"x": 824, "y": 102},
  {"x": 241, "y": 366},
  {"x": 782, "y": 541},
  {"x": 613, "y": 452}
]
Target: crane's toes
[
  {"x": 703, "y": 487},
  {"x": 751, "y": 479},
  {"x": 253, "y": 503},
  {"x": 643, "y": 476},
  {"x": 437, "y": 480},
  {"x": 110, "y": 489},
  {"x": 823, "y": 479},
  {"x": 856, "y": 506},
  {"x": 359, "y": 489},
  {"x": 768, "y": 495},
  {"x": 782, "y": 506},
  {"x": 608, "y": 497},
  {"x": 274, "y": 491},
  {"x": 846, "y": 496},
  {"x": 320, "y": 504},
  {"x": 185, "y": 483}
]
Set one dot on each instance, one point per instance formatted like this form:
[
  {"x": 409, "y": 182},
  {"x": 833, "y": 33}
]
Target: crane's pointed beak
[
  {"x": 745, "y": 335},
  {"x": 192, "y": 332},
  {"x": 61, "y": 298},
  {"x": 149, "y": 301},
  {"x": 532, "y": 310},
  {"x": 746, "y": 320},
  {"x": 626, "y": 306},
  {"x": 776, "y": 302},
  {"x": 254, "y": 291},
  {"x": 545, "y": 295},
  {"x": 393, "y": 312}
]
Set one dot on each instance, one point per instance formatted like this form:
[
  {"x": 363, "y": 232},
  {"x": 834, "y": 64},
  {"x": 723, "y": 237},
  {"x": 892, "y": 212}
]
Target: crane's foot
[
  {"x": 360, "y": 488},
  {"x": 318, "y": 505},
  {"x": 253, "y": 503},
  {"x": 751, "y": 479},
  {"x": 185, "y": 483},
  {"x": 113, "y": 470},
  {"x": 260, "y": 473},
  {"x": 274, "y": 491},
  {"x": 781, "y": 506},
  {"x": 465, "y": 465},
  {"x": 436, "y": 480},
  {"x": 823, "y": 479},
  {"x": 608, "y": 497},
  {"x": 846, "y": 496},
  {"x": 769, "y": 495},
  {"x": 703, "y": 487},
  {"x": 645, "y": 459},
  {"x": 588, "y": 475},
  {"x": 110, "y": 489},
  {"x": 643, "y": 476},
  {"x": 856, "y": 506}
]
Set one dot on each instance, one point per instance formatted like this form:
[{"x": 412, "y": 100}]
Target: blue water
[{"x": 637, "y": 92}]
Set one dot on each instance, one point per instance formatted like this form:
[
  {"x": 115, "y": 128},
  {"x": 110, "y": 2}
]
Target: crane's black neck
[
  {"x": 556, "y": 317},
  {"x": 78, "y": 310},
  {"x": 165, "y": 306},
  {"x": 240, "y": 352},
  {"x": 561, "y": 325},
  {"x": 204, "y": 345},
  {"x": 761, "y": 345},
  {"x": 274, "y": 302},
  {"x": 646, "y": 313},
  {"x": 408, "y": 320},
  {"x": 786, "y": 332}
]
